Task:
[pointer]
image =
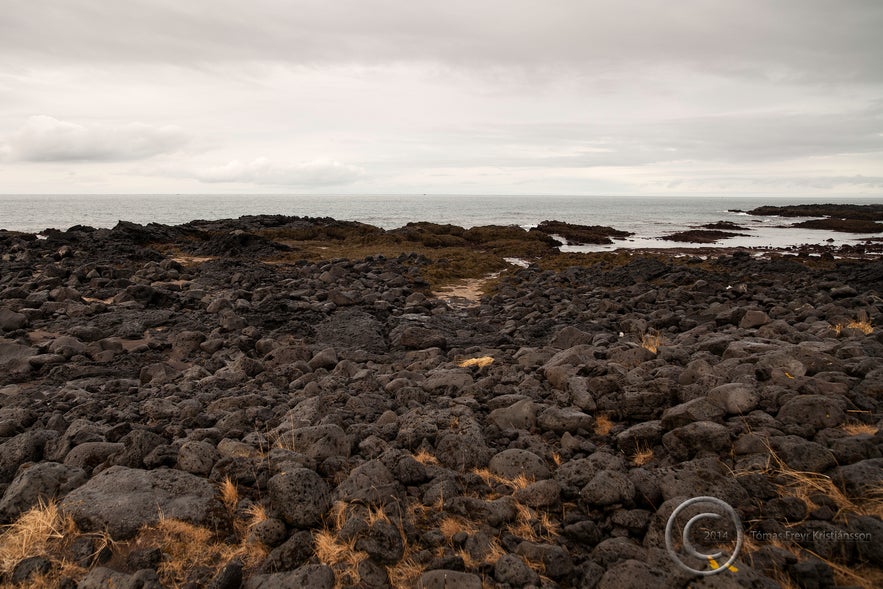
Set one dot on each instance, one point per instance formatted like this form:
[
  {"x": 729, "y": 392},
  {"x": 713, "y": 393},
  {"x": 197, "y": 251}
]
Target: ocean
[{"x": 649, "y": 218}]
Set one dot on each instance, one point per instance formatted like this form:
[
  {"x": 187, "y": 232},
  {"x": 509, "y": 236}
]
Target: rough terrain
[{"x": 283, "y": 402}]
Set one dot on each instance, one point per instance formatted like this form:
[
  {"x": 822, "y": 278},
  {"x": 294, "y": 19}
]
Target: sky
[{"x": 569, "y": 97}]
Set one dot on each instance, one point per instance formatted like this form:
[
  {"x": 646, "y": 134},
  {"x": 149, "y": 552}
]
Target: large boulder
[
  {"x": 11, "y": 320},
  {"x": 301, "y": 496},
  {"x": 818, "y": 411},
  {"x": 40, "y": 482},
  {"x": 28, "y": 446},
  {"x": 122, "y": 500}
]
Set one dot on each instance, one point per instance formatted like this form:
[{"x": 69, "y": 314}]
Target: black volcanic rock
[
  {"x": 871, "y": 212},
  {"x": 581, "y": 234},
  {"x": 842, "y": 225},
  {"x": 701, "y": 236},
  {"x": 545, "y": 431}
]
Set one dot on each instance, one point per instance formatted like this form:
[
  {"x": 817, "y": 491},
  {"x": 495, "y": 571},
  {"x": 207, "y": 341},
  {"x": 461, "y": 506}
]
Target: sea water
[{"x": 649, "y": 218}]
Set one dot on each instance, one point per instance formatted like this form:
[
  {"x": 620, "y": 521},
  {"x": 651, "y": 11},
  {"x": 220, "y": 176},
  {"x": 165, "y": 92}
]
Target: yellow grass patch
[
  {"x": 38, "y": 531},
  {"x": 864, "y": 326},
  {"x": 342, "y": 557},
  {"x": 479, "y": 362},
  {"x": 190, "y": 547},
  {"x": 652, "y": 341},
  {"x": 603, "y": 424},
  {"x": 452, "y": 524},
  {"x": 404, "y": 574},
  {"x": 229, "y": 495},
  {"x": 643, "y": 455},
  {"x": 423, "y": 456},
  {"x": 855, "y": 429},
  {"x": 490, "y": 555},
  {"x": 532, "y": 526},
  {"x": 520, "y": 481}
]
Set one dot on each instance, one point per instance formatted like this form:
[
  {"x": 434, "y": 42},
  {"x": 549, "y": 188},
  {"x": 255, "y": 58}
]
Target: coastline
[{"x": 299, "y": 398}]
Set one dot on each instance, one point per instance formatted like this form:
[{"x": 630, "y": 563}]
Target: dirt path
[{"x": 465, "y": 293}]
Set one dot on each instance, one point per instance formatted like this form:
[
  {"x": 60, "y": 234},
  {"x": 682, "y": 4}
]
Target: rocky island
[{"x": 292, "y": 402}]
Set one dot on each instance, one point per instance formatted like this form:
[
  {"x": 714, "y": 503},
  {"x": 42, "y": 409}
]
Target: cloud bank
[
  {"x": 47, "y": 139},
  {"x": 499, "y": 96},
  {"x": 263, "y": 171}
]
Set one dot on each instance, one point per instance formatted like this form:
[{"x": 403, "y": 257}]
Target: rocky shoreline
[{"x": 285, "y": 402}]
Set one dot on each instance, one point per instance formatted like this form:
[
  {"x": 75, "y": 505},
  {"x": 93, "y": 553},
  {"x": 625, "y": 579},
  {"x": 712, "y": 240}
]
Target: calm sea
[{"x": 648, "y": 217}]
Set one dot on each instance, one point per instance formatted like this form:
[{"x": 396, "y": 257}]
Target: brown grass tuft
[
  {"x": 452, "y": 524},
  {"x": 404, "y": 574},
  {"x": 532, "y": 526},
  {"x": 38, "y": 531},
  {"x": 520, "y": 481},
  {"x": 229, "y": 495},
  {"x": 490, "y": 555},
  {"x": 862, "y": 323},
  {"x": 376, "y": 514},
  {"x": 643, "y": 455},
  {"x": 603, "y": 424},
  {"x": 479, "y": 362},
  {"x": 855, "y": 429},
  {"x": 652, "y": 341},
  {"x": 423, "y": 456},
  {"x": 340, "y": 556}
]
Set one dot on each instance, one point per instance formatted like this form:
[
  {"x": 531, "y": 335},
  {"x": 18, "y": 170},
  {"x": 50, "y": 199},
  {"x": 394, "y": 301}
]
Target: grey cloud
[
  {"x": 773, "y": 183},
  {"x": 267, "y": 172},
  {"x": 795, "y": 39},
  {"x": 734, "y": 138},
  {"x": 47, "y": 139}
]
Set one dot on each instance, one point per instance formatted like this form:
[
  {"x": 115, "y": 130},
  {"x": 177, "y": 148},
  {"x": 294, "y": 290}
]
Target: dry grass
[
  {"x": 643, "y": 455},
  {"x": 229, "y": 495},
  {"x": 376, "y": 514},
  {"x": 404, "y": 574},
  {"x": 38, "y": 531},
  {"x": 423, "y": 456},
  {"x": 45, "y": 531},
  {"x": 452, "y": 524},
  {"x": 479, "y": 362},
  {"x": 652, "y": 342},
  {"x": 855, "y": 429},
  {"x": 802, "y": 485},
  {"x": 533, "y": 526},
  {"x": 557, "y": 459},
  {"x": 189, "y": 547},
  {"x": 862, "y": 324},
  {"x": 518, "y": 482},
  {"x": 342, "y": 557},
  {"x": 492, "y": 552},
  {"x": 338, "y": 514},
  {"x": 603, "y": 424}
]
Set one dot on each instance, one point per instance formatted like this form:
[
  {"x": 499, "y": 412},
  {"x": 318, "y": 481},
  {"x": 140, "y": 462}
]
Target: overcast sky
[{"x": 767, "y": 97}]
